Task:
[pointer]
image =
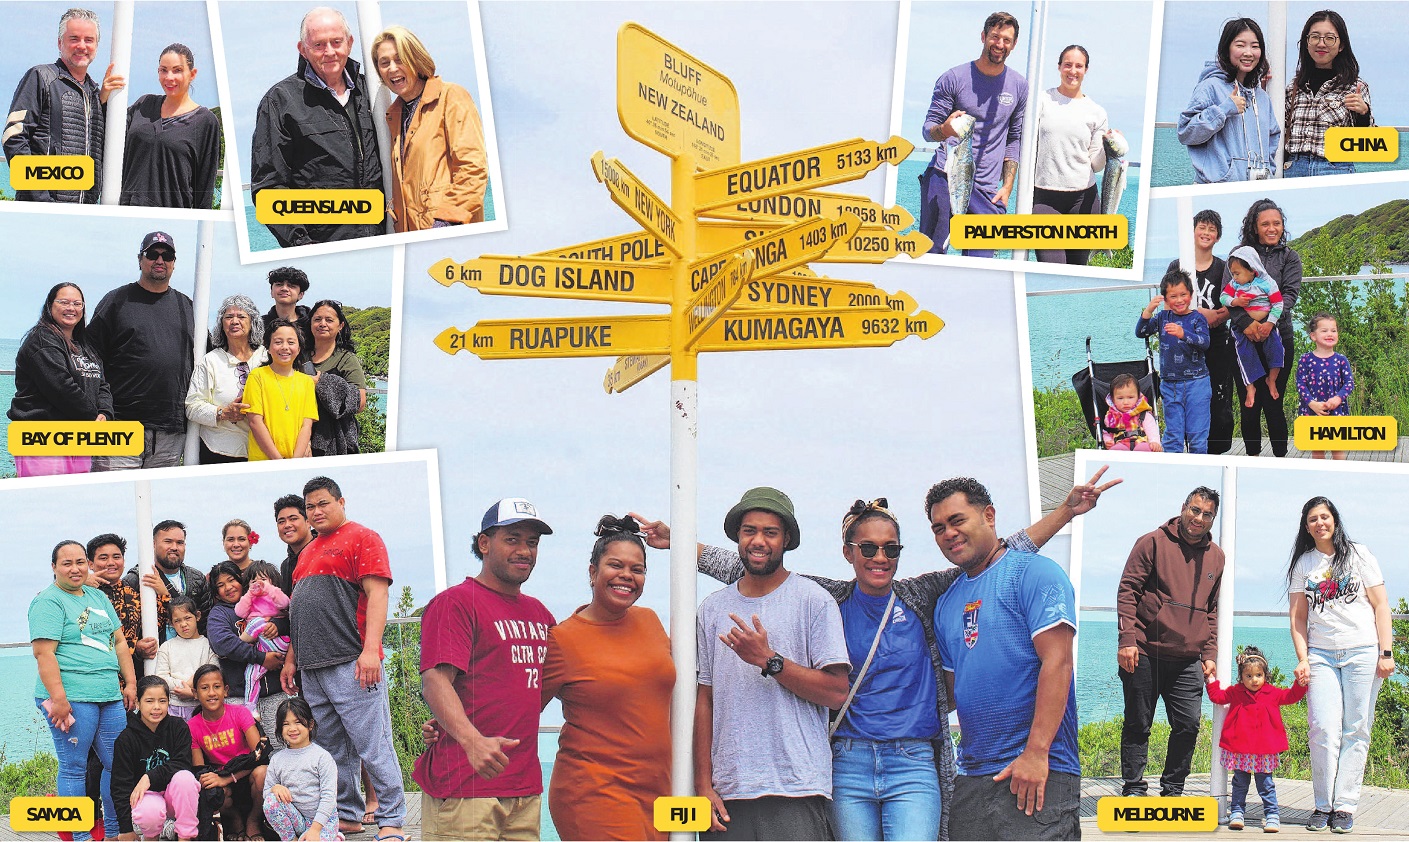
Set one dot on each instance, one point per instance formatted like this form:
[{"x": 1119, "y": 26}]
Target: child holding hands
[{"x": 1184, "y": 386}]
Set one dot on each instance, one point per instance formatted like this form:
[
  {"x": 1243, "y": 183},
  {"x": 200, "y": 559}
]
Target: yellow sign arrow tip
[
  {"x": 440, "y": 274},
  {"x": 901, "y": 217},
  {"x": 598, "y": 163},
  {"x": 902, "y": 146},
  {"x": 451, "y": 340},
  {"x": 922, "y": 243},
  {"x": 932, "y": 324}
]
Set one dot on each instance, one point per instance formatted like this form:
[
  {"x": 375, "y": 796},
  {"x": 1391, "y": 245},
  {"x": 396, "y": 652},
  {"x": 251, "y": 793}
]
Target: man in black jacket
[
  {"x": 58, "y": 109},
  {"x": 315, "y": 129},
  {"x": 171, "y": 576}
]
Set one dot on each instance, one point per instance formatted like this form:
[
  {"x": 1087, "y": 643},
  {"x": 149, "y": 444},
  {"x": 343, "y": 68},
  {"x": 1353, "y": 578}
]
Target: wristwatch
[
  {"x": 773, "y": 666},
  {"x": 1386, "y": 653}
]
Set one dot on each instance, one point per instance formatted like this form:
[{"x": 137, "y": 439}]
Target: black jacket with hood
[
  {"x": 52, "y": 383},
  {"x": 1167, "y": 603},
  {"x": 139, "y": 751}
]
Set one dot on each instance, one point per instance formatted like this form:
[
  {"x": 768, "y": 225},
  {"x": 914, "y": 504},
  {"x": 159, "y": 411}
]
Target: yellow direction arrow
[
  {"x": 638, "y": 200},
  {"x": 796, "y": 329},
  {"x": 632, "y": 369},
  {"x": 782, "y": 249},
  {"x": 726, "y": 235},
  {"x": 795, "y": 171},
  {"x": 672, "y": 101},
  {"x": 722, "y": 291},
  {"x": 593, "y": 336},
  {"x": 551, "y": 277},
  {"x": 876, "y": 246},
  {"x": 820, "y": 293},
  {"x": 794, "y": 206},
  {"x": 636, "y": 247}
]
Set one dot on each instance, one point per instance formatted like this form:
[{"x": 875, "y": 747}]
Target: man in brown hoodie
[{"x": 1168, "y": 610}]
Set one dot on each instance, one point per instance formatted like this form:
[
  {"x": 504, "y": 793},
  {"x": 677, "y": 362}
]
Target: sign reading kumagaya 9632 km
[{"x": 673, "y": 102}]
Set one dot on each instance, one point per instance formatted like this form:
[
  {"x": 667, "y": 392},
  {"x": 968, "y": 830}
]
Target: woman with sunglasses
[
  {"x": 892, "y": 758},
  {"x": 341, "y": 381},
  {"x": 214, "y": 400},
  {"x": 1326, "y": 92}
]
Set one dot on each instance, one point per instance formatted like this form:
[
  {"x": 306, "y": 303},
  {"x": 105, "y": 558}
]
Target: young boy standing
[{"x": 1185, "y": 387}]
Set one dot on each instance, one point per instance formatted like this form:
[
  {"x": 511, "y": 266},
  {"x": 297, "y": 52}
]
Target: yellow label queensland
[
  {"x": 1039, "y": 230},
  {"x": 1114, "y": 813},
  {"x": 1346, "y": 432},
  {"x": 1380, "y": 143},
  {"x": 39, "y": 814},
  {"x": 278, "y": 206},
  {"x": 682, "y": 812},
  {"x": 75, "y": 438},
  {"x": 51, "y": 172}
]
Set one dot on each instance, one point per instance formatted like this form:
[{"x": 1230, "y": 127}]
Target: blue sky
[
  {"x": 943, "y": 35},
  {"x": 1191, "y": 33},
  {"x": 824, "y": 426},
  {"x": 34, "y": 519},
  {"x": 41, "y": 254}
]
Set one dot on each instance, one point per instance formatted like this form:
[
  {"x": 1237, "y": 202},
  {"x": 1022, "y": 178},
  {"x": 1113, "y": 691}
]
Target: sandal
[{"x": 401, "y": 837}]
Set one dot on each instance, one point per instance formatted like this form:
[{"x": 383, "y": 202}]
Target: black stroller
[{"x": 1093, "y": 386}]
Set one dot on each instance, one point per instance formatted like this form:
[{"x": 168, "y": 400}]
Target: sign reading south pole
[{"x": 673, "y": 102}]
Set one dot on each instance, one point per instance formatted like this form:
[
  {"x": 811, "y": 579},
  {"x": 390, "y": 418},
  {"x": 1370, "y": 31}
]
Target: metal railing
[{"x": 1374, "y": 276}]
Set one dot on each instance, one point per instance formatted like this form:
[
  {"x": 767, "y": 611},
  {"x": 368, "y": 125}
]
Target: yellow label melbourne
[
  {"x": 1033, "y": 230},
  {"x": 51, "y": 172},
  {"x": 286, "y": 206},
  {"x": 1346, "y": 432},
  {"x": 1114, "y": 813},
  {"x": 1369, "y": 144},
  {"x": 75, "y": 438},
  {"x": 682, "y": 812},
  {"x": 39, "y": 814}
]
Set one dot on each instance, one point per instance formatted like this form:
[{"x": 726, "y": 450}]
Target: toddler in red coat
[{"x": 1253, "y": 734}]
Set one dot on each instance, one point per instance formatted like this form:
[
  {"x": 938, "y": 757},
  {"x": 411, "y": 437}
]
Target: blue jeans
[
  {"x": 1303, "y": 164},
  {"x": 884, "y": 790},
  {"x": 96, "y": 725},
  {"x": 1265, "y": 788},
  {"x": 1340, "y": 706},
  {"x": 1186, "y": 414}
]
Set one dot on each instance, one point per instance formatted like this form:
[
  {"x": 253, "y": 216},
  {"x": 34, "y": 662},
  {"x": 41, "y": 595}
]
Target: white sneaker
[{"x": 168, "y": 831}]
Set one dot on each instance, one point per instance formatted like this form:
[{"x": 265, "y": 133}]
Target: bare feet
[
  {"x": 1272, "y": 383},
  {"x": 1251, "y": 399}
]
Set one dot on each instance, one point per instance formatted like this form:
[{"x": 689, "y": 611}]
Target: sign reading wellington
[{"x": 673, "y": 102}]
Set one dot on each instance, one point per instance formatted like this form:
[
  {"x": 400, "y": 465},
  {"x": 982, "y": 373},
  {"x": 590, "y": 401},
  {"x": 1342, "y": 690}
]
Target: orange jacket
[{"x": 442, "y": 173}]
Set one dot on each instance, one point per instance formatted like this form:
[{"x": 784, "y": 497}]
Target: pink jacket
[
  {"x": 262, "y": 600},
  {"x": 1254, "y": 721}
]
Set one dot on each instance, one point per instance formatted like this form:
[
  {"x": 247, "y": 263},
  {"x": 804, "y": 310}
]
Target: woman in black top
[
  {"x": 173, "y": 144},
  {"x": 58, "y": 377}
]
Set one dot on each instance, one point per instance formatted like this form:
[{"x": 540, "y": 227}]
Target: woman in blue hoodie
[{"x": 1229, "y": 126}]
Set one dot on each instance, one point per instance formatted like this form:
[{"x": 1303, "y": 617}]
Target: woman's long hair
[
  {"x": 1340, "y": 541},
  {"x": 1231, "y": 30},
  {"x": 344, "y": 336},
  {"x": 79, "y": 343},
  {"x": 1249, "y": 229},
  {"x": 1346, "y": 68}
]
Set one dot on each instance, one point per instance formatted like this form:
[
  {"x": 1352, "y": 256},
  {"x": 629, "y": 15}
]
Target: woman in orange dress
[{"x": 610, "y": 664}]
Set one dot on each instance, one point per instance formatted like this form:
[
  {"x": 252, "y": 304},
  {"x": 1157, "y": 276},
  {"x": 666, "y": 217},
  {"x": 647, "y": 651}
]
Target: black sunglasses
[
  {"x": 159, "y": 254},
  {"x": 868, "y": 549}
]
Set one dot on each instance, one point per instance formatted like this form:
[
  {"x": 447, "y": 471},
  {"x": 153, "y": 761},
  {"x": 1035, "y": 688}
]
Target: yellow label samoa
[
  {"x": 1116, "y": 813},
  {"x": 1378, "y": 144},
  {"x": 281, "y": 206},
  {"x": 51, "y": 172},
  {"x": 75, "y": 438},
  {"x": 682, "y": 812},
  {"x": 1346, "y": 432},
  {"x": 39, "y": 814},
  {"x": 1039, "y": 231}
]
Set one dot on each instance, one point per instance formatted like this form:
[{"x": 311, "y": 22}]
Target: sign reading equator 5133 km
[
  {"x": 795, "y": 171},
  {"x": 673, "y": 102}
]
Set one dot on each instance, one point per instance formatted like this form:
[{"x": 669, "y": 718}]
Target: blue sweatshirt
[
  {"x": 1179, "y": 359},
  {"x": 1219, "y": 139}
]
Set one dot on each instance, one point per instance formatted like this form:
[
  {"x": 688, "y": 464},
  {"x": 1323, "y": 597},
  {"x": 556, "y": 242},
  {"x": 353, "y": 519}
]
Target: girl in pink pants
[{"x": 152, "y": 778}]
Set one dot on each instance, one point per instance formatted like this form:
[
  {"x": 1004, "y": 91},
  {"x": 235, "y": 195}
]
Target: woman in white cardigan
[{"x": 213, "y": 400}]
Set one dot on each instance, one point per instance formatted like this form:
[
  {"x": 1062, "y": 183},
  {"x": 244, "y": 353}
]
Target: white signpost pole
[{"x": 115, "y": 123}]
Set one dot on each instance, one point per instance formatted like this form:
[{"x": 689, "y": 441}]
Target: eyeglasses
[
  {"x": 868, "y": 549},
  {"x": 159, "y": 254},
  {"x": 242, "y": 371},
  {"x": 68, "y": 302},
  {"x": 1316, "y": 38}
]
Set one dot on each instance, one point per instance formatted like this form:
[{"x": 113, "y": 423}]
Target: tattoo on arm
[{"x": 1010, "y": 169}]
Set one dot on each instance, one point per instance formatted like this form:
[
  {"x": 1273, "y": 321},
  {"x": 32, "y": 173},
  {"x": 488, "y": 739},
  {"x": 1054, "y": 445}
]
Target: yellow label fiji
[
  {"x": 39, "y": 814},
  {"x": 1115, "y": 813},
  {"x": 75, "y": 438},
  {"x": 682, "y": 812},
  {"x": 280, "y": 206},
  {"x": 51, "y": 172},
  {"x": 1380, "y": 143},
  {"x": 1039, "y": 230},
  {"x": 1346, "y": 432}
]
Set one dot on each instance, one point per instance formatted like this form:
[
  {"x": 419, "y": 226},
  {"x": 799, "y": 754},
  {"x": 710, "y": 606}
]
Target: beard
[{"x": 766, "y": 568}]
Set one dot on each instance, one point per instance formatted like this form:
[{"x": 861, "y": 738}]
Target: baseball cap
[
  {"x": 512, "y": 510},
  {"x": 157, "y": 238}
]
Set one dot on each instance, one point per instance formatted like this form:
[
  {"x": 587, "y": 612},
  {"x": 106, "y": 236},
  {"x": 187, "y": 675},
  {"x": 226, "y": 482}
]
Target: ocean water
[
  {"x": 1172, "y": 167},
  {"x": 907, "y": 194},
  {"x": 9, "y": 193}
]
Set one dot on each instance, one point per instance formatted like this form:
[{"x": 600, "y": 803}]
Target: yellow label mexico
[
  {"x": 75, "y": 438},
  {"x": 51, "y": 172},
  {"x": 281, "y": 206}
]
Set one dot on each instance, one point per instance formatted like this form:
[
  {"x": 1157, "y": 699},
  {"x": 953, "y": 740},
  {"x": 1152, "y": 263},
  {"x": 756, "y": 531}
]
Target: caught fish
[
  {"x": 959, "y": 169},
  {"x": 1113, "y": 179}
]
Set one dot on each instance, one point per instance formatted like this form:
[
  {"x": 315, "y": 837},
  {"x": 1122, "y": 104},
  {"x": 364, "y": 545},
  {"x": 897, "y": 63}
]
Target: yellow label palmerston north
[
  {"x": 1346, "y": 432},
  {"x": 1194, "y": 812},
  {"x": 40, "y": 814},
  {"x": 1379, "y": 143},
  {"x": 287, "y": 206},
  {"x": 672, "y": 101},
  {"x": 1038, "y": 230},
  {"x": 51, "y": 172},
  {"x": 682, "y": 812},
  {"x": 75, "y": 438}
]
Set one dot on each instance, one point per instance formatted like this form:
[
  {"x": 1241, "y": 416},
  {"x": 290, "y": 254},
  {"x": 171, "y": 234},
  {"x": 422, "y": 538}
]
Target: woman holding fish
[
  {"x": 1074, "y": 142},
  {"x": 1327, "y": 91},
  {"x": 1229, "y": 125}
]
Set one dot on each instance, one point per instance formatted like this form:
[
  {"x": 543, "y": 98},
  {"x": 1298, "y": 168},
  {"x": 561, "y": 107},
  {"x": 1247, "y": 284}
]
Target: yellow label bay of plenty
[
  {"x": 51, "y": 172},
  {"x": 75, "y": 438},
  {"x": 672, "y": 101},
  {"x": 1346, "y": 432},
  {"x": 1039, "y": 230},
  {"x": 1194, "y": 812},
  {"x": 1375, "y": 144},
  {"x": 285, "y": 206}
]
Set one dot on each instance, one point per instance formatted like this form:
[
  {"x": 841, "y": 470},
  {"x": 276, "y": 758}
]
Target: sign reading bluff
[
  {"x": 672, "y": 101},
  {"x": 550, "y": 277},
  {"x": 638, "y": 200},
  {"x": 797, "y": 329},
  {"x": 796, "y": 171},
  {"x": 593, "y": 336}
]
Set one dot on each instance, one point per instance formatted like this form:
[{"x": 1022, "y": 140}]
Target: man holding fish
[{"x": 981, "y": 105}]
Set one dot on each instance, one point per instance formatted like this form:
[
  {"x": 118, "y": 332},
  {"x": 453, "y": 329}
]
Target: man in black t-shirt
[
  {"x": 145, "y": 334},
  {"x": 1221, "y": 357}
]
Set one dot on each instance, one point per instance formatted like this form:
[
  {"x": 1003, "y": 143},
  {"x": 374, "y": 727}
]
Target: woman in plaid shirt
[{"x": 1327, "y": 91}]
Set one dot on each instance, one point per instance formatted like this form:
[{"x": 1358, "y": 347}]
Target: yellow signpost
[
  {"x": 791, "y": 207},
  {"x": 796, "y": 329},
  {"x": 636, "y": 247},
  {"x": 672, "y": 101},
  {"x": 553, "y": 277},
  {"x": 780, "y": 174},
  {"x": 632, "y": 369},
  {"x": 877, "y": 246},
  {"x": 638, "y": 200},
  {"x": 589, "y": 336}
]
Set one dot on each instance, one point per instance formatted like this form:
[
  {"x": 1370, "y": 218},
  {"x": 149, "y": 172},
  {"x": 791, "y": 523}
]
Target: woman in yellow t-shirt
[{"x": 282, "y": 405}]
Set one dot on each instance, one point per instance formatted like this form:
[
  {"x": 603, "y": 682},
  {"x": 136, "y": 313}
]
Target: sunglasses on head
[
  {"x": 159, "y": 254},
  {"x": 868, "y": 549}
]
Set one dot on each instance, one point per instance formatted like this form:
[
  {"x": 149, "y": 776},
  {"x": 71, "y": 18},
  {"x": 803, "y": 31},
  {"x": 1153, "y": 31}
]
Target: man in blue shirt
[{"x": 1005, "y": 631}]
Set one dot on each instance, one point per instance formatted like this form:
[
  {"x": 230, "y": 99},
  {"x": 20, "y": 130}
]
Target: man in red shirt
[
  {"x": 481, "y": 779},
  {"x": 337, "y": 612}
]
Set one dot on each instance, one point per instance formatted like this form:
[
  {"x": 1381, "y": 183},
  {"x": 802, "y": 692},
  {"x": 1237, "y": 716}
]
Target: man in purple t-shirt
[{"x": 996, "y": 98}]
